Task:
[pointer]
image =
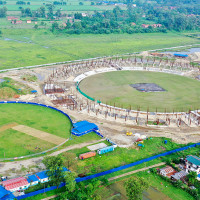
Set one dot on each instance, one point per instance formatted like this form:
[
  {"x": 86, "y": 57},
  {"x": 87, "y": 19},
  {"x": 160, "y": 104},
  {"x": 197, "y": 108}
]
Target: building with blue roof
[
  {"x": 5, "y": 194},
  {"x": 84, "y": 127},
  {"x": 33, "y": 180},
  {"x": 42, "y": 176},
  {"x": 180, "y": 55}
]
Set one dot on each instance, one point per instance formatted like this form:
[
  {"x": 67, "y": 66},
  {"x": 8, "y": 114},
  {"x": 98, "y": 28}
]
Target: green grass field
[
  {"x": 121, "y": 156},
  {"x": 181, "y": 93},
  {"x": 14, "y": 143},
  {"x": 46, "y": 47},
  {"x": 37, "y": 117}
]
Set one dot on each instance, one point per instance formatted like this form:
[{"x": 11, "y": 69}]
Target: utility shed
[{"x": 105, "y": 150}]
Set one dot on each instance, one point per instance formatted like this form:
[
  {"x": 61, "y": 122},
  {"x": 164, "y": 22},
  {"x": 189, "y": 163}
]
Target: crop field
[
  {"x": 17, "y": 142},
  {"x": 70, "y": 7},
  {"x": 181, "y": 93},
  {"x": 21, "y": 48}
]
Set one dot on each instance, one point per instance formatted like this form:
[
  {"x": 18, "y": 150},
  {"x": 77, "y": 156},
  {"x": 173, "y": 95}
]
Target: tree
[
  {"x": 135, "y": 187},
  {"x": 81, "y": 3},
  {"x": 192, "y": 177},
  {"x": 40, "y": 12},
  {"x": 36, "y": 26},
  {"x": 50, "y": 8},
  {"x": 55, "y": 26},
  {"x": 58, "y": 13},
  {"x": 70, "y": 182},
  {"x": 28, "y": 12},
  {"x": 3, "y": 12},
  {"x": 54, "y": 165}
]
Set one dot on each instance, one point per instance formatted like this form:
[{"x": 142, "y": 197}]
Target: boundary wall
[
  {"x": 111, "y": 170},
  {"x": 37, "y": 104}
]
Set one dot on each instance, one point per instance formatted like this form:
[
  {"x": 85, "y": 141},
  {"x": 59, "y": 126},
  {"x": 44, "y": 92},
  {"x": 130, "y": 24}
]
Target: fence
[
  {"x": 37, "y": 104},
  {"x": 111, "y": 170}
]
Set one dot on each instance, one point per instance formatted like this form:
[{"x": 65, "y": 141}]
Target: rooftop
[
  {"x": 180, "y": 175},
  {"x": 14, "y": 183},
  {"x": 42, "y": 174},
  {"x": 193, "y": 159},
  {"x": 32, "y": 178}
]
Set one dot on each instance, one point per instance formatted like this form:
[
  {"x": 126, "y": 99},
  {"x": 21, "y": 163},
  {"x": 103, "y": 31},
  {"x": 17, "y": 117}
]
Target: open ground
[{"x": 181, "y": 93}]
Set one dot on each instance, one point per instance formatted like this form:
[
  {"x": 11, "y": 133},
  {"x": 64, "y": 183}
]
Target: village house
[
  {"x": 167, "y": 171},
  {"x": 16, "y": 22},
  {"x": 179, "y": 176},
  {"x": 156, "y": 25},
  {"x": 192, "y": 164},
  {"x": 11, "y": 18},
  {"x": 28, "y": 21},
  {"x": 145, "y": 25},
  {"x": 16, "y": 184}
]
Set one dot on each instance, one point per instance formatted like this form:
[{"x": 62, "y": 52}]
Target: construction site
[{"x": 58, "y": 86}]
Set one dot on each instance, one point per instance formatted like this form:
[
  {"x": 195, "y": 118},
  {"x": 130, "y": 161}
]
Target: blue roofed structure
[
  {"x": 42, "y": 176},
  {"x": 33, "y": 180},
  {"x": 83, "y": 127},
  {"x": 181, "y": 55},
  {"x": 81, "y": 123},
  {"x": 5, "y": 194},
  {"x": 193, "y": 159}
]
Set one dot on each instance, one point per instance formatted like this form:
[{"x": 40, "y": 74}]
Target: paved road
[{"x": 135, "y": 171}]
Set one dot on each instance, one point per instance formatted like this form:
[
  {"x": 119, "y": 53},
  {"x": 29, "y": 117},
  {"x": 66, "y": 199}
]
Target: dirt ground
[
  {"x": 8, "y": 126},
  {"x": 39, "y": 134}
]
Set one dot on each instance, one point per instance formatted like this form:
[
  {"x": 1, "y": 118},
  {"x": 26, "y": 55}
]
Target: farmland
[{"x": 26, "y": 47}]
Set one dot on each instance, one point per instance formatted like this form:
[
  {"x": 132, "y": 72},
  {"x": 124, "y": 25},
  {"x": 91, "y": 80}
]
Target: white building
[{"x": 192, "y": 164}]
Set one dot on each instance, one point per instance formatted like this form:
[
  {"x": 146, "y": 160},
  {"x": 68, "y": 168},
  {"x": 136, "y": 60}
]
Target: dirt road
[
  {"x": 135, "y": 171},
  {"x": 14, "y": 169}
]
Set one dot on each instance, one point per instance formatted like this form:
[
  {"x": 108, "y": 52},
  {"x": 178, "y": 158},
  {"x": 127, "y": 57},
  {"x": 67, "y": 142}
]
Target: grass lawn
[
  {"x": 37, "y": 117},
  {"x": 181, "y": 93},
  {"x": 121, "y": 156},
  {"x": 26, "y": 47},
  {"x": 14, "y": 144}
]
